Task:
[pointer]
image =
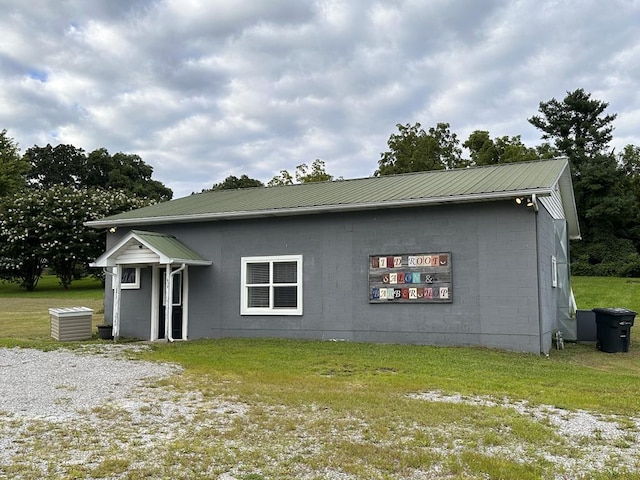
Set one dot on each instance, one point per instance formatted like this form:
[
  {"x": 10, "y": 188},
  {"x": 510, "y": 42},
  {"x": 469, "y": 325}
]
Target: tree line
[{"x": 48, "y": 193}]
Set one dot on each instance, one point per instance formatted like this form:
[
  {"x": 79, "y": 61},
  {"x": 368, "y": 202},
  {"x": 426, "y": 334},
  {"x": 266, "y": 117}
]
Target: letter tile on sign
[
  {"x": 382, "y": 262},
  {"x": 411, "y": 261},
  {"x": 444, "y": 292},
  {"x": 413, "y": 293},
  {"x": 393, "y": 278},
  {"x": 401, "y": 277},
  {"x": 391, "y": 293},
  {"x": 397, "y": 262},
  {"x": 397, "y": 293},
  {"x": 405, "y": 293},
  {"x": 443, "y": 260},
  {"x": 383, "y": 294},
  {"x": 408, "y": 277}
]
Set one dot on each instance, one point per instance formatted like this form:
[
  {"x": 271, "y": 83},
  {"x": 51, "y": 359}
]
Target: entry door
[{"x": 176, "y": 330}]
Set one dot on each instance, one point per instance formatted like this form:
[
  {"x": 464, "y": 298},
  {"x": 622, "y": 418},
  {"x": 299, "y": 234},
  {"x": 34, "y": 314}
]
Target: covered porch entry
[{"x": 163, "y": 261}]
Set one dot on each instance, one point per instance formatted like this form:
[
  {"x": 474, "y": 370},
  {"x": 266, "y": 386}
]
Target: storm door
[{"x": 177, "y": 306}]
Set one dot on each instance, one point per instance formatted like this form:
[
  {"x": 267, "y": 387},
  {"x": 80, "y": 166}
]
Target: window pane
[
  {"x": 285, "y": 272},
  {"x": 258, "y": 297},
  {"x": 284, "y": 297},
  {"x": 257, "y": 273},
  {"x": 128, "y": 275}
]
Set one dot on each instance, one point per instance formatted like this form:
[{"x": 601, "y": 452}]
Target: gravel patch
[{"x": 56, "y": 385}]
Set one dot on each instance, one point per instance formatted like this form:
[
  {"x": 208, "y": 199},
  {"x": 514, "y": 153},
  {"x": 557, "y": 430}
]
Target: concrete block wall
[{"x": 494, "y": 275}]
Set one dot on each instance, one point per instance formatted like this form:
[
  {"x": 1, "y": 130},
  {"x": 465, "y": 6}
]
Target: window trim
[
  {"x": 130, "y": 285},
  {"x": 271, "y": 310}
]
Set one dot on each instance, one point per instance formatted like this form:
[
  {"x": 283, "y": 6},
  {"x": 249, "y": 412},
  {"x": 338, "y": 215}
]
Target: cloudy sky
[{"x": 206, "y": 89}]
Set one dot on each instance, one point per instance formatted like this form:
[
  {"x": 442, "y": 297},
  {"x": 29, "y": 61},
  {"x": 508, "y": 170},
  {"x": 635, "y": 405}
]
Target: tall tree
[
  {"x": 122, "y": 171},
  {"x": 482, "y": 149},
  {"x": 485, "y": 151},
  {"x": 233, "y": 183},
  {"x": 415, "y": 150},
  {"x": 577, "y": 125},
  {"x": 581, "y": 130},
  {"x": 303, "y": 174},
  {"x": 13, "y": 168},
  {"x": 317, "y": 173},
  {"x": 59, "y": 165},
  {"x": 70, "y": 166}
]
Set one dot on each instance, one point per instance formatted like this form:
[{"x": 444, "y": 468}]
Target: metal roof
[
  {"x": 169, "y": 250},
  {"x": 474, "y": 184}
]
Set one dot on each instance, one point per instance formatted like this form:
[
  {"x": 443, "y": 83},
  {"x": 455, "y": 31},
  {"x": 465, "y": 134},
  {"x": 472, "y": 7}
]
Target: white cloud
[{"x": 206, "y": 89}]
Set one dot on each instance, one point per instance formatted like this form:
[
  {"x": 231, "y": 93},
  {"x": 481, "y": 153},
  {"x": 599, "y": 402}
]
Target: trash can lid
[{"x": 615, "y": 311}]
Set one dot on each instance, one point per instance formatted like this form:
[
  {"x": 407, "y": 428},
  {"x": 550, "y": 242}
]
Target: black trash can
[{"x": 614, "y": 329}]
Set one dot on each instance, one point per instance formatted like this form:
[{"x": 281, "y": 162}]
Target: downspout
[
  {"x": 169, "y": 301},
  {"x": 115, "y": 280},
  {"x": 538, "y": 280}
]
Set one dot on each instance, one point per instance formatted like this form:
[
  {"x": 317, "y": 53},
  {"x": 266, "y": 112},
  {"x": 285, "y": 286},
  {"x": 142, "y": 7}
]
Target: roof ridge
[{"x": 395, "y": 175}]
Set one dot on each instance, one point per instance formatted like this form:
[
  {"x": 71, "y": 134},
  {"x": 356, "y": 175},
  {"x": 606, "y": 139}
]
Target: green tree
[
  {"x": 123, "y": 171},
  {"x": 59, "y": 165},
  {"x": 582, "y": 131},
  {"x": 482, "y": 149},
  {"x": 303, "y": 174},
  {"x": 415, "y": 150},
  {"x": 13, "y": 168},
  {"x": 70, "y": 166},
  {"x": 284, "y": 178},
  {"x": 317, "y": 173},
  {"x": 577, "y": 125},
  {"x": 233, "y": 183},
  {"x": 485, "y": 151},
  {"x": 45, "y": 227}
]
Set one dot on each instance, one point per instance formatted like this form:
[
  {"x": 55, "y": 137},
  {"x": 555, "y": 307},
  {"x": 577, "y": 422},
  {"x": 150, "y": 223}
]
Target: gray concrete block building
[{"x": 475, "y": 256}]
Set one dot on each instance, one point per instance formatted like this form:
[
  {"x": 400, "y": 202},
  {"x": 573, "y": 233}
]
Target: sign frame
[{"x": 410, "y": 278}]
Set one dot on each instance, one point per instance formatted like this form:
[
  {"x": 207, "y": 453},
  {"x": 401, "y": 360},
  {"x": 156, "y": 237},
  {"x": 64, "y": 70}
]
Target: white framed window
[
  {"x": 554, "y": 272},
  {"x": 271, "y": 285},
  {"x": 130, "y": 278}
]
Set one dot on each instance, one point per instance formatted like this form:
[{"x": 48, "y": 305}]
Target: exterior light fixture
[
  {"x": 112, "y": 230},
  {"x": 518, "y": 200}
]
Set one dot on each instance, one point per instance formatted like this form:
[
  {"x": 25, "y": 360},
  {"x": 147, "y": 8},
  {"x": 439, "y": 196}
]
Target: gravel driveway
[{"x": 66, "y": 414}]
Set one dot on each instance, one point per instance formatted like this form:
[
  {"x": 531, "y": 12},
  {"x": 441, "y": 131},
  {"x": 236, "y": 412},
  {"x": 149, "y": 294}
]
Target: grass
[
  {"x": 24, "y": 316},
  {"x": 306, "y": 409}
]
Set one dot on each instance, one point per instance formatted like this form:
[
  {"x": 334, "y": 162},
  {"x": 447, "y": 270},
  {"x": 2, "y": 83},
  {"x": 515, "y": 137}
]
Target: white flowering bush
[{"x": 40, "y": 228}]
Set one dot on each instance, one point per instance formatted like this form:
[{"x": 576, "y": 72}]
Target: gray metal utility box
[{"x": 73, "y": 323}]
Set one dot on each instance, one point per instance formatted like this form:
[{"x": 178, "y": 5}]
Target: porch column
[
  {"x": 168, "y": 302},
  {"x": 116, "y": 302}
]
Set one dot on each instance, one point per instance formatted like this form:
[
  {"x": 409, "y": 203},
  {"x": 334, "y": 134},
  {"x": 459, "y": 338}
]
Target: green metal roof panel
[
  {"x": 440, "y": 186},
  {"x": 168, "y": 245}
]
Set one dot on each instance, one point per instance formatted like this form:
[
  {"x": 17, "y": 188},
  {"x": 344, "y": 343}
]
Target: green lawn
[{"x": 370, "y": 426}]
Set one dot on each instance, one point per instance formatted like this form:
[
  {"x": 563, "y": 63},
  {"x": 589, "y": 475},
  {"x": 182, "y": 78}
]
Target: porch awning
[{"x": 149, "y": 248}]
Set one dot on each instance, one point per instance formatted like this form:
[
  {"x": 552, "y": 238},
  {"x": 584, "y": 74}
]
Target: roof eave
[{"x": 203, "y": 217}]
